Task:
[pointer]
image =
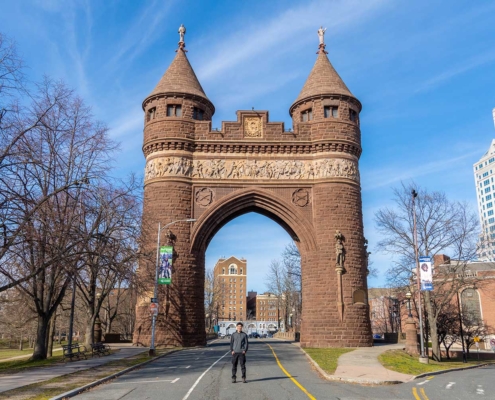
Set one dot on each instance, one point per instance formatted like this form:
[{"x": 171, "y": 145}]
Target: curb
[
  {"x": 349, "y": 380},
  {"x": 75, "y": 392},
  {"x": 444, "y": 371}
]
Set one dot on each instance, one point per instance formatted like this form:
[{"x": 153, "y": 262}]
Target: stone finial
[
  {"x": 321, "y": 37},
  {"x": 182, "y": 32}
]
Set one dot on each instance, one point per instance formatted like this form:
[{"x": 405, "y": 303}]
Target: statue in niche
[{"x": 339, "y": 249}]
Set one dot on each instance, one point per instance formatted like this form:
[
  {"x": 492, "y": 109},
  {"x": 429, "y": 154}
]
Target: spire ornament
[
  {"x": 182, "y": 33},
  {"x": 321, "y": 37}
]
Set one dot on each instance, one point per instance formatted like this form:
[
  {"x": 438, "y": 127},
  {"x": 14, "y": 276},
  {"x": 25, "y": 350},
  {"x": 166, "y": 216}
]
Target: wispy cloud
[
  {"x": 388, "y": 176},
  {"x": 287, "y": 28},
  {"x": 472, "y": 63},
  {"x": 139, "y": 36}
]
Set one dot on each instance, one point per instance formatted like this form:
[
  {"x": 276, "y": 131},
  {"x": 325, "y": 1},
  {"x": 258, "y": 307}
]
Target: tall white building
[{"x": 484, "y": 177}]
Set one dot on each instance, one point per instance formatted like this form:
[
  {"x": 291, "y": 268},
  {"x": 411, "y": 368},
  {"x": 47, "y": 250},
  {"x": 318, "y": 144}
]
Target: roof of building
[
  {"x": 179, "y": 78},
  {"x": 323, "y": 80}
]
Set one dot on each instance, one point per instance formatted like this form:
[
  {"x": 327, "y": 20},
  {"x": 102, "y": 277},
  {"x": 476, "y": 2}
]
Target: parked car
[{"x": 255, "y": 335}]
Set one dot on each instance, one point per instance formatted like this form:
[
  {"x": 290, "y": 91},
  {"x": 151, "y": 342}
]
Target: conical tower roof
[
  {"x": 179, "y": 78},
  {"x": 323, "y": 80}
]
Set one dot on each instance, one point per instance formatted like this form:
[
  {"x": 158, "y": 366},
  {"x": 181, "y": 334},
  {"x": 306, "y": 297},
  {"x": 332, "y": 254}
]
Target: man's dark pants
[{"x": 236, "y": 358}]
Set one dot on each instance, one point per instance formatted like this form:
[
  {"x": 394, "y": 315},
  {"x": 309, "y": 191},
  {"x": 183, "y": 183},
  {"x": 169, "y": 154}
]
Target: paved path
[
  {"x": 9, "y": 382},
  {"x": 362, "y": 365}
]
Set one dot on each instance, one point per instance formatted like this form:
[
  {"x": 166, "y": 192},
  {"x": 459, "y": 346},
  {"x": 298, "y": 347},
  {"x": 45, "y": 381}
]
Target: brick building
[
  {"x": 305, "y": 178},
  {"x": 231, "y": 275}
]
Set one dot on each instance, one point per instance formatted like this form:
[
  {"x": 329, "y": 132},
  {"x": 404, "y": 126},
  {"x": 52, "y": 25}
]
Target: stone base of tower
[{"x": 167, "y": 331}]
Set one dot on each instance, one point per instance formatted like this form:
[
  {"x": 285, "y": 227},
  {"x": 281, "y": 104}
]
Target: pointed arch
[{"x": 257, "y": 200}]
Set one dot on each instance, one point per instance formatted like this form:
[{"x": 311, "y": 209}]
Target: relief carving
[
  {"x": 253, "y": 127},
  {"x": 204, "y": 197},
  {"x": 300, "y": 197},
  {"x": 252, "y": 169}
]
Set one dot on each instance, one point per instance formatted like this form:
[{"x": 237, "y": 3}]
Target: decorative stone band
[{"x": 251, "y": 169}]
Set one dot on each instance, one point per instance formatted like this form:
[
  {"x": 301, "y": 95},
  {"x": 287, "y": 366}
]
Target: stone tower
[
  {"x": 328, "y": 114},
  {"x": 306, "y": 179}
]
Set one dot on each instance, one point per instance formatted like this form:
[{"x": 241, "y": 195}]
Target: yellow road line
[
  {"x": 421, "y": 391},
  {"x": 291, "y": 377}
]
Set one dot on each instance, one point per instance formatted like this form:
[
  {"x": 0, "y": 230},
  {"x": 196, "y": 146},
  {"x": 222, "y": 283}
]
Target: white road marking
[
  {"x": 422, "y": 383},
  {"x": 187, "y": 367},
  {"x": 480, "y": 390},
  {"x": 203, "y": 374},
  {"x": 156, "y": 380},
  {"x": 449, "y": 385}
]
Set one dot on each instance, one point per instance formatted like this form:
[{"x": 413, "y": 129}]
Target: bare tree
[
  {"x": 214, "y": 296},
  {"x": 68, "y": 146},
  {"x": 444, "y": 227}
]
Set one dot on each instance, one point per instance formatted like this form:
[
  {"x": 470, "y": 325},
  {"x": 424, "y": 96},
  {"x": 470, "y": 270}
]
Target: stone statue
[
  {"x": 321, "y": 35},
  {"x": 182, "y": 32},
  {"x": 339, "y": 249}
]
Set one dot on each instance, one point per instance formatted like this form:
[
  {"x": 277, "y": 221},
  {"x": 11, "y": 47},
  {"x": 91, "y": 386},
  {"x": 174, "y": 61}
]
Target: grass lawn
[
  {"x": 50, "y": 388},
  {"x": 7, "y": 353},
  {"x": 400, "y": 361},
  {"x": 327, "y": 358}
]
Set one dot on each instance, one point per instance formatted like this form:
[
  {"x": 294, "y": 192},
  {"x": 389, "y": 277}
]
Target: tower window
[
  {"x": 331, "y": 111},
  {"x": 174, "y": 110},
  {"x": 151, "y": 114},
  {"x": 353, "y": 115},
  {"x": 198, "y": 114},
  {"x": 307, "y": 115}
]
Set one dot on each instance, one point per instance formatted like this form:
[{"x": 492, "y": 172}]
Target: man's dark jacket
[{"x": 239, "y": 342}]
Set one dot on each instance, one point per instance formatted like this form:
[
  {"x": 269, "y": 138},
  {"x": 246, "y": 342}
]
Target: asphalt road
[{"x": 205, "y": 374}]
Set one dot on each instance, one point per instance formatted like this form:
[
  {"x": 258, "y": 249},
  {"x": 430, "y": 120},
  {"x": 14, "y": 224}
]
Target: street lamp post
[
  {"x": 422, "y": 357},
  {"x": 155, "y": 291},
  {"x": 408, "y": 297}
]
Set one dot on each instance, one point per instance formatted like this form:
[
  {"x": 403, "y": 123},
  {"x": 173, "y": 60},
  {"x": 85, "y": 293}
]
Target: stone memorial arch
[{"x": 305, "y": 178}]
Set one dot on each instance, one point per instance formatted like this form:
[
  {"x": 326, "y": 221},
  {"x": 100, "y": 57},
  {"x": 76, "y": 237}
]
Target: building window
[
  {"x": 487, "y": 190},
  {"x": 331, "y": 111},
  {"x": 486, "y": 182},
  {"x": 489, "y": 205},
  {"x": 489, "y": 197},
  {"x": 490, "y": 212},
  {"x": 471, "y": 304},
  {"x": 485, "y": 174},
  {"x": 491, "y": 220},
  {"x": 307, "y": 115},
  {"x": 353, "y": 115},
  {"x": 233, "y": 269},
  {"x": 491, "y": 160},
  {"x": 174, "y": 110},
  {"x": 151, "y": 114},
  {"x": 198, "y": 114}
]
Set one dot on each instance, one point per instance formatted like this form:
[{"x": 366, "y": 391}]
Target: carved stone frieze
[{"x": 252, "y": 169}]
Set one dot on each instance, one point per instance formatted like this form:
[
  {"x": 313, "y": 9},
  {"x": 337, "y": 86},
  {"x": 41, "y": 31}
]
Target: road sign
[
  {"x": 477, "y": 344},
  {"x": 476, "y": 339},
  {"x": 154, "y": 300},
  {"x": 492, "y": 342},
  {"x": 154, "y": 308}
]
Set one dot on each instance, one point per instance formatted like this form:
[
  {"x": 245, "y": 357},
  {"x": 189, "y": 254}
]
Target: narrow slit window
[
  {"x": 151, "y": 114},
  {"x": 331, "y": 111},
  {"x": 353, "y": 115},
  {"x": 307, "y": 115},
  {"x": 198, "y": 114}
]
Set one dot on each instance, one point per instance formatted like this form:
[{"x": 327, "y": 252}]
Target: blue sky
[{"x": 424, "y": 71}]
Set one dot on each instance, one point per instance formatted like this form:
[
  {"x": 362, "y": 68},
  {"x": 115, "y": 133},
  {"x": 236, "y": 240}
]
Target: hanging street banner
[
  {"x": 426, "y": 275},
  {"x": 165, "y": 271}
]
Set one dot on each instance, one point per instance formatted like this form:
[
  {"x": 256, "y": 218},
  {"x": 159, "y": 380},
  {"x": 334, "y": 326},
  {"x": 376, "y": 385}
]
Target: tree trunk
[
  {"x": 41, "y": 338},
  {"x": 51, "y": 334},
  {"x": 20, "y": 343},
  {"x": 432, "y": 323},
  {"x": 89, "y": 336}
]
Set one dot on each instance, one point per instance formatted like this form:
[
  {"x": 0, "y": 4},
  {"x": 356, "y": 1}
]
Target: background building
[
  {"x": 251, "y": 305},
  {"x": 485, "y": 191},
  {"x": 231, "y": 275}
]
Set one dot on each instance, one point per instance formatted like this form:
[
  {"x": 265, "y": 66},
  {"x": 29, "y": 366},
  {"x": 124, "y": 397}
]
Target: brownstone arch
[{"x": 305, "y": 178}]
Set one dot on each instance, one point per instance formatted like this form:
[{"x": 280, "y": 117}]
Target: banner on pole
[
  {"x": 426, "y": 274},
  {"x": 165, "y": 271}
]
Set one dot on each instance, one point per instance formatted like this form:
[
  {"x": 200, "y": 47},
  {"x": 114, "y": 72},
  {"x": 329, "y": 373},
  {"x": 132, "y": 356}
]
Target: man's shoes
[
  {"x": 244, "y": 380},
  {"x": 233, "y": 380}
]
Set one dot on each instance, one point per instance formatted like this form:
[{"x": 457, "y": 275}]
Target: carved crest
[
  {"x": 253, "y": 127},
  {"x": 300, "y": 197},
  {"x": 204, "y": 197}
]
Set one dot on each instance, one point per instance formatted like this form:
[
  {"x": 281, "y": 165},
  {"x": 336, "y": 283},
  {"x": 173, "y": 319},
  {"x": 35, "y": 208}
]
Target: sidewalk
[
  {"x": 9, "y": 382},
  {"x": 362, "y": 366}
]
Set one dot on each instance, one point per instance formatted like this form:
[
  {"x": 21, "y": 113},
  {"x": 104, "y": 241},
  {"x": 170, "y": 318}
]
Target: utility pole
[{"x": 422, "y": 358}]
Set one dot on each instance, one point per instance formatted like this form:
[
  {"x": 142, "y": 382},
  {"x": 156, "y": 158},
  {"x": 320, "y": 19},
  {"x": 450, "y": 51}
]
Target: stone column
[{"x": 411, "y": 337}]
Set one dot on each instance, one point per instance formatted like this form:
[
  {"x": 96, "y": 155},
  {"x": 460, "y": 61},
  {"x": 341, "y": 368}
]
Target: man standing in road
[{"x": 239, "y": 347}]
